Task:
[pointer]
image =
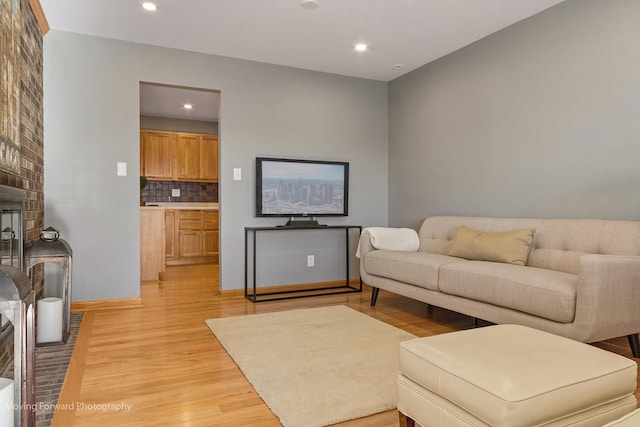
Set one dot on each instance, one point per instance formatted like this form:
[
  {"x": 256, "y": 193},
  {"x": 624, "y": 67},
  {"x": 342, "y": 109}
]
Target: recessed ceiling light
[
  {"x": 309, "y": 4},
  {"x": 188, "y": 106},
  {"x": 149, "y": 6},
  {"x": 361, "y": 47},
  {"x": 398, "y": 66}
]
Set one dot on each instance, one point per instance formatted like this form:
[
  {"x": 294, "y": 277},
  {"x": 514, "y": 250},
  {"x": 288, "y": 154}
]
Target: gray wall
[
  {"x": 539, "y": 120},
  {"x": 91, "y": 96},
  {"x": 178, "y": 125}
]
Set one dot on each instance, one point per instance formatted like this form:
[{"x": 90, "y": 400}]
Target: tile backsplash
[{"x": 160, "y": 191}]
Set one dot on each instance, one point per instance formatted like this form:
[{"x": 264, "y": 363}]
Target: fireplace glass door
[
  {"x": 11, "y": 227},
  {"x": 11, "y": 230}
]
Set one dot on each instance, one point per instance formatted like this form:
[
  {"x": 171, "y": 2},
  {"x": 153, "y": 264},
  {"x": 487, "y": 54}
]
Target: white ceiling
[
  {"x": 407, "y": 32},
  {"x": 168, "y": 101}
]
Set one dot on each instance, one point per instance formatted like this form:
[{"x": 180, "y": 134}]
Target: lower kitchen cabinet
[
  {"x": 190, "y": 243},
  {"x": 170, "y": 251},
  {"x": 192, "y": 236},
  {"x": 210, "y": 243}
]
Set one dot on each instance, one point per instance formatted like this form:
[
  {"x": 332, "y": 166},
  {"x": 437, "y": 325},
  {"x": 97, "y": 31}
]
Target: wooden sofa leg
[
  {"x": 634, "y": 343},
  {"x": 374, "y": 296},
  {"x": 406, "y": 421}
]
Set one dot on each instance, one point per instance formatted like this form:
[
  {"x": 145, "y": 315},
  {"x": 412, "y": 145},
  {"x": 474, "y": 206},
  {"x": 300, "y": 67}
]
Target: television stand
[
  {"x": 303, "y": 223},
  {"x": 296, "y": 291}
]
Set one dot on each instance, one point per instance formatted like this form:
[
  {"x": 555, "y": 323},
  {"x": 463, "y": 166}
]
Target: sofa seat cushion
[
  {"x": 414, "y": 268},
  {"x": 545, "y": 293}
]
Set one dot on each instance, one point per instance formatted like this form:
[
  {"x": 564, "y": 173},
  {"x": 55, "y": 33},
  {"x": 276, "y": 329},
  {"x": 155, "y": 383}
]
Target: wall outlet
[
  {"x": 311, "y": 261},
  {"x": 175, "y": 192},
  {"x": 237, "y": 174}
]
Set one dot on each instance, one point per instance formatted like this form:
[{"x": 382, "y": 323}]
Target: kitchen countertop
[{"x": 182, "y": 205}]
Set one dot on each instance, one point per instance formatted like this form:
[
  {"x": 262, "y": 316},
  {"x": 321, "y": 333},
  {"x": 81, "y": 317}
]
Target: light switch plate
[
  {"x": 175, "y": 192},
  {"x": 121, "y": 169},
  {"x": 237, "y": 174}
]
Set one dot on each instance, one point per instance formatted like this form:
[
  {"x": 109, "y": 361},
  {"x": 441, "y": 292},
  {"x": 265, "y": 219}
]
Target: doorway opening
[{"x": 179, "y": 182}]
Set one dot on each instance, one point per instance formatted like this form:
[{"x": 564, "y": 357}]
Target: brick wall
[{"x": 30, "y": 178}]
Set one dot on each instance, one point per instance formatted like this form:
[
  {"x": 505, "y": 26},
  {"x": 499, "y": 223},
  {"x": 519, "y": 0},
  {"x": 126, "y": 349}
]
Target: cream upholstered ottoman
[{"x": 509, "y": 375}]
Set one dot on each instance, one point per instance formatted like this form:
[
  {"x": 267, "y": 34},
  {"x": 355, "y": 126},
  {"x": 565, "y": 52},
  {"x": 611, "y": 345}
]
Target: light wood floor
[{"x": 163, "y": 360}]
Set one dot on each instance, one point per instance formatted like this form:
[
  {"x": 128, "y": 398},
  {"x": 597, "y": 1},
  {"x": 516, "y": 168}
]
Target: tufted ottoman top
[
  {"x": 630, "y": 420},
  {"x": 515, "y": 375}
]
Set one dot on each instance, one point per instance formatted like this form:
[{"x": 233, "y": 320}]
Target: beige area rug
[{"x": 316, "y": 366}]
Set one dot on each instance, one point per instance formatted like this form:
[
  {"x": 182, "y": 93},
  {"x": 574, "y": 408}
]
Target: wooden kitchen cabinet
[
  {"x": 176, "y": 156},
  {"x": 190, "y": 244},
  {"x": 188, "y": 156},
  {"x": 210, "y": 234},
  {"x": 171, "y": 231},
  {"x": 209, "y": 158},
  {"x": 195, "y": 236},
  {"x": 197, "y": 157},
  {"x": 152, "y": 240},
  {"x": 210, "y": 243},
  {"x": 190, "y": 220},
  {"x": 157, "y": 154},
  {"x": 189, "y": 233}
]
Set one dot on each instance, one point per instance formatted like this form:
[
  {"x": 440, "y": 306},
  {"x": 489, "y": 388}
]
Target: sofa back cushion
[{"x": 557, "y": 245}]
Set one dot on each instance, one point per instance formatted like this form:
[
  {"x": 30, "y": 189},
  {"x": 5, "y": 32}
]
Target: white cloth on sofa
[{"x": 392, "y": 239}]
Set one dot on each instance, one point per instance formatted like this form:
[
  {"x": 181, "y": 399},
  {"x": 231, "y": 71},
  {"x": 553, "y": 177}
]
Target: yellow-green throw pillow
[{"x": 508, "y": 246}]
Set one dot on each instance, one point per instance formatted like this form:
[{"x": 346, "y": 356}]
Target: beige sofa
[{"x": 581, "y": 279}]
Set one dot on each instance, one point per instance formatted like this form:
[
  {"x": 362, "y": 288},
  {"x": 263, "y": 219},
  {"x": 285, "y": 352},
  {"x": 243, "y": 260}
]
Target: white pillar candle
[
  {"x": 6, "y": 402},
  {"x": 49, "y": 320}
]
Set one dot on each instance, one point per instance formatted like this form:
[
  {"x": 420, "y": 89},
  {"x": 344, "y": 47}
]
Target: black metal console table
[{"x": 295, "y": 293}]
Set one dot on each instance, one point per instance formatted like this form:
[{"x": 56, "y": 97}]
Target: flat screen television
[{"x": 301, "y": 188}]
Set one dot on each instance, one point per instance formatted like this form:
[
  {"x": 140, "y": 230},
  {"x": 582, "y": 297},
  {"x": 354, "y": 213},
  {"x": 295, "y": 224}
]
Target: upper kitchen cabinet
[
  {"x": 187, "y": 157},
  {"x": 156, "y": 154},
  {"x": 209, "y": 158}
]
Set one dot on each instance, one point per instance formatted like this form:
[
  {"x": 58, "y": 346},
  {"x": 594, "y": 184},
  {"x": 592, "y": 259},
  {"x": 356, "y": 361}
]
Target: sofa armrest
[
  {"x": 608, "y": 295},
  {"x": 398, "y": 239},
  {"x": 364, "y": 245}
]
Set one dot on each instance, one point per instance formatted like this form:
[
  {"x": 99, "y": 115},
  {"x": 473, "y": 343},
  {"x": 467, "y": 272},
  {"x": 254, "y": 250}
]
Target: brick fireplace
[{"x": 22, "y": 25}]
